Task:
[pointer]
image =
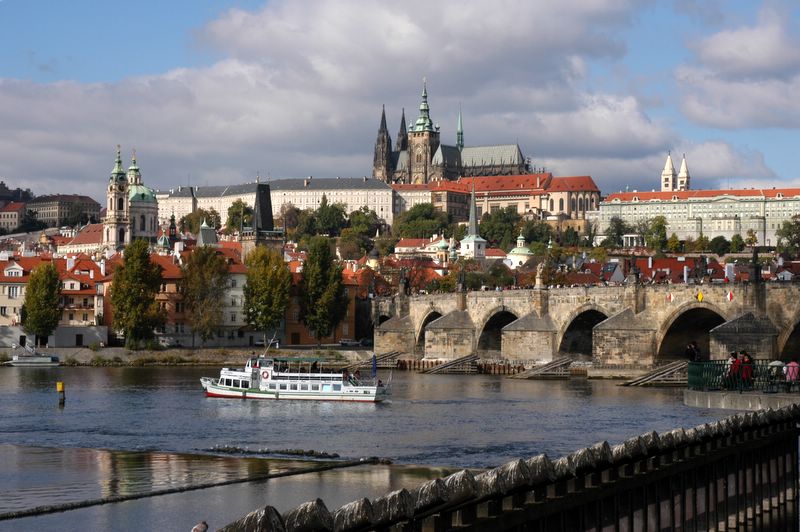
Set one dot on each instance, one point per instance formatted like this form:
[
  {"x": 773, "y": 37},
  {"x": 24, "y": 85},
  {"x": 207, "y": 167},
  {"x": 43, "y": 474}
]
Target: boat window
[
  {"x": 304, "y": 386},
  {"x": 245, "y": 384},
  {"x": 283, "y": 386},
  {"x": 292, "y": 386},
  {"x": 227, "y": 382},
  {"x": 271, "y": 386},
  {"x": 337, "y": 387},
  {"x": 315, "y": 387},
  {"x": 236, "y": 383}
]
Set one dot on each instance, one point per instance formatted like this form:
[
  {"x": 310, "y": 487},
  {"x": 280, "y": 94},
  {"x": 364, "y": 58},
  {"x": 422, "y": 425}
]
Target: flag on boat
[{"x": 374, "y": 366}]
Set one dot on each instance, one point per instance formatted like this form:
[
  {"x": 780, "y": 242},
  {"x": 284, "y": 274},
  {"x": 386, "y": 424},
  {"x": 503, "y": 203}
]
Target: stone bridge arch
[
  {"x": 432, "y": 314},
  {"x": 574, "y": 336},
  {"x": 789, "y": 340},
  {"x": 488, "y": 336},
  {"x": 691, "y": 321}
]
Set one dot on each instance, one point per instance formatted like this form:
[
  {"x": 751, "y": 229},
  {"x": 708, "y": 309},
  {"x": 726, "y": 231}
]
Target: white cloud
[
  {"x": 299, "y": 89},
  {"x": 746, "y": 77}
]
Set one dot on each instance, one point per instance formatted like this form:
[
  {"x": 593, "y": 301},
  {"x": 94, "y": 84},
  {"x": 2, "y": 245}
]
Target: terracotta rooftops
[{"x": 773, "y": 193}]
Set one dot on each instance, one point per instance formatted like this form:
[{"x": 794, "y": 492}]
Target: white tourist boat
[
  {"x": 293, "y": 378},
  {"x": 30, "y": 358}
]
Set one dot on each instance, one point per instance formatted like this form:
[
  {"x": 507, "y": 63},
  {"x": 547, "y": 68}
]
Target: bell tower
[{"x": 116, "y": 224}]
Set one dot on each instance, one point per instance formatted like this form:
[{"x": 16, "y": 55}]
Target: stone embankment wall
[{"x": 734, "y": 474}]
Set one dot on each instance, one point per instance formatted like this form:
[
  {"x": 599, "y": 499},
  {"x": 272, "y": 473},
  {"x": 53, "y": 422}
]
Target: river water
[{"x": 132, "y": 430}]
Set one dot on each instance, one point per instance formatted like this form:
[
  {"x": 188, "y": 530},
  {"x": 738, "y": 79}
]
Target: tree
[
  {"x": 701, "y": 244},
  {"x": 616, "y": 229},
  {"x": 330, "y": 217},
  {"x": 752, "y": 238},
  {"x": 266, "y": 294},
  {"x": 497, "y": 227},
  {"x": 205, "y": 278},
  {"x": 789, "y": 236},
  {"x": 306, "y": 224},
  {"x": 239, "y": 215},
  {"x": 570, "y": 237},
  {"x": 192, "y": 221},
  {"x": 289, "y": 216},
  {"x": 655, "y": 236},
  {"x": 322, "y": 299},
  {"x": 30, "y": 222},
  {"x": 420, "y": 221},
  {"x": 42, "y": 298},
  {"x": 673, "y": 243},
  {"x": 133, "y": 292},
  {"x": 737, "y": 243},
  {"x": 536, "y": 231},
  {"x": 719, "y": 245}
]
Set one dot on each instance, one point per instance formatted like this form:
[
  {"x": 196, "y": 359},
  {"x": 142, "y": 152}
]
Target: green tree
[
  {"x": 306, "y": 224},
  {"x": 133, "y": 291},
  {"x": 289, "y": 217},
  {"x": 737, "y": 243},
  {"x": 719, "y": 245},
  {"x": 570, "y": 238},
  {"x": 330, "y": 217},
  {"x": 30, "y": 222},
  {"x": 673, "y": 243},
  {"x": 192, "y": 221},
  {"x": 655, "y": 236},
  {"x": 42, "y": 298},
  {"x": 205, "y": 278},
  {"x": 266, "y": 294},
  {"x": 789, "y": 236},
  {"x": 240, "y": 214},
  {"x": 421, "y": 221},
  {"x": 497, "y": 227},
  {"x": 322, "y": 299},
  {"x": 536, "y": 231},
  {"x": 701, "y": 244},
  {"x": 616, "y": 229}
]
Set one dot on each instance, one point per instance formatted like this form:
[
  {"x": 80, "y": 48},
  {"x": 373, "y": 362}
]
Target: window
[
  {"x": 119, "y": 204},
  {"x": 561, "y": 204},
  {"x": 233, "y": 283},
  {"x": 233, "y": 317},
  {"x": 3, "y": 311},
  {"x": 85, "y": 317},
  {"x": 13, "y": 291},
  {"x": 71, "y": 316}
]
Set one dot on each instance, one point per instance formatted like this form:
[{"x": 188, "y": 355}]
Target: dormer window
[
  {"x": 636, "y": 198},
  {"x": 780, "y": 195},
  {"x": 674, "y": 197}
]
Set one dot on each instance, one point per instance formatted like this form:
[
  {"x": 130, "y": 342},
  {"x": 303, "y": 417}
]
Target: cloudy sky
[{"x": 214, "y": 91}]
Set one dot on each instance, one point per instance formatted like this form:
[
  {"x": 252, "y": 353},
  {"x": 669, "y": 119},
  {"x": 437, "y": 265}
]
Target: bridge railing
[{"x": 760, "y": 376}]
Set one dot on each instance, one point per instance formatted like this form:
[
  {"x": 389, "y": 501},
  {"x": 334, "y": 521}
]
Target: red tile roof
[
  {"x": 14, "y": 206},
  {"x": 572, "y": 184},
  {"x": 90, "y": 234},
  {"x": 526, "y": 182}
]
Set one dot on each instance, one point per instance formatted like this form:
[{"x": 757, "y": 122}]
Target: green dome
[
  {"x": 521, "y": 251},
  {"x": 141, "y": 194},
  {"x": 443, "y": 244}
]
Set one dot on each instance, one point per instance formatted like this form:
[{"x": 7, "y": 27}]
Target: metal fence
[{"x": 760, "y": 376}]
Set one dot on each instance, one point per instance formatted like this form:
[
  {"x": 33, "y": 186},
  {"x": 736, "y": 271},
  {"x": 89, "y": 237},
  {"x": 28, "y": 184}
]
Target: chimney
[
  {"x": 649, "y": 263},
  {"x": 103, "y": 267},
  {"x": 91, "y": 274},
  {"x": 685, "y": 274}
]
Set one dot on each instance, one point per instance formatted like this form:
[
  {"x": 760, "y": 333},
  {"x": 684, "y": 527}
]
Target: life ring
[{"x": 265, "y": 374}]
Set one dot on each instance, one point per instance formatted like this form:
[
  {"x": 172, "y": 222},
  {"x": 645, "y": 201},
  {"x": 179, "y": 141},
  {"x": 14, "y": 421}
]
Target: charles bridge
[{"x": 630, "y": 324}]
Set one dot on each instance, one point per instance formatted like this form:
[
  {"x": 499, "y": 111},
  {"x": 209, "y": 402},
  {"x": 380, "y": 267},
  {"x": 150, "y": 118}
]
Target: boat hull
[
  {"x": 33, "y": 362},
  {"x": 356, "y": 395}
]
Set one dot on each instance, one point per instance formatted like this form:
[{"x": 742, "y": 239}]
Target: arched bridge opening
[
  {"x": 419, "y": 348},
  {"x": 693, "y": 325},
  {"x": 791, "y": 349},
  {"x": 577, "y": 340},
  {"x": 490, "y": 339}
]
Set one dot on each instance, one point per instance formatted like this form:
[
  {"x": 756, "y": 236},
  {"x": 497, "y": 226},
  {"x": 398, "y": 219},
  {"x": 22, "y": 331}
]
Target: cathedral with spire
[{"x": 418, "y": 157}]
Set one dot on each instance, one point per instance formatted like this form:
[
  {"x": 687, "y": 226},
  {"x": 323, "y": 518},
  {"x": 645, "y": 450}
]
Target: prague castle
[{"x": 419, "y": 157}]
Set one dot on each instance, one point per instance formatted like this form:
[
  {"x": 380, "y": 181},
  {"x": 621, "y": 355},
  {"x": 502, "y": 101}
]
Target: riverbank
[{"x": 215, "y": 356}]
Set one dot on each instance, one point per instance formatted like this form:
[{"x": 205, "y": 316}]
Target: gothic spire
[
  {"x": 383, "y": 120},
  {"x": 683, "y": 175},
  {"x": 459, "y": 132},
  {"x": 402, "y": 135},
  {"x": 424, "y": 122}
]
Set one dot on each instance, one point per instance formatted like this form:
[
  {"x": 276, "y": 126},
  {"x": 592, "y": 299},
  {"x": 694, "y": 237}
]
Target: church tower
[
  {"x": 683, "y": 175},
  {"x": 459, "y": 132},
  {"x": 423, "y": 141},
  {"x": 668, "y": 176},
  {"x": 381, "y": 164},
  {"x": 116, "y": 231}
]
